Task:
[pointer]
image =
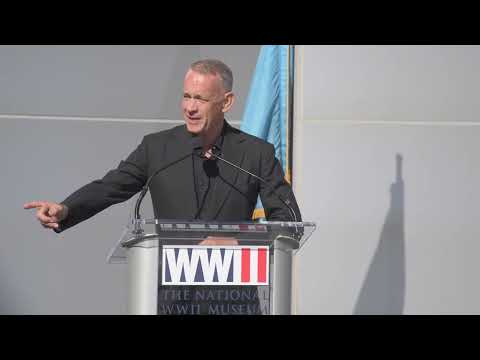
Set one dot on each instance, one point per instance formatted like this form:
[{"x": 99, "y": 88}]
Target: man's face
[{"x": 204, "y": 103}]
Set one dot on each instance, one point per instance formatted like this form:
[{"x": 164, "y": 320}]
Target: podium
[{"x": 243, "y": 268}]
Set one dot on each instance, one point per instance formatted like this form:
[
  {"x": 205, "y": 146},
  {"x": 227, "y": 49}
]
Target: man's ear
[{"x": 228, "y": 102}]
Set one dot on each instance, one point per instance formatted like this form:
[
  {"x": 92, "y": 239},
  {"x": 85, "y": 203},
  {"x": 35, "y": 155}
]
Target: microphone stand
[
  {"x": 286, "y": 202},
  {"x": 137, "y": 229}
]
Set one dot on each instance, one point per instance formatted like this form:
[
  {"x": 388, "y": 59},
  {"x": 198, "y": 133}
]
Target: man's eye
[{"x": 199, "y": 99}]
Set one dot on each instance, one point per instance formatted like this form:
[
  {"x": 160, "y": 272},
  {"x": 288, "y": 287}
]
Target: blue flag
[{"x": 265, "y": 114}]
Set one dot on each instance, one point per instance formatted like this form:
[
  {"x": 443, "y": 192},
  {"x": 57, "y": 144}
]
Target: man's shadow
[{"x": 383, "y": 291}]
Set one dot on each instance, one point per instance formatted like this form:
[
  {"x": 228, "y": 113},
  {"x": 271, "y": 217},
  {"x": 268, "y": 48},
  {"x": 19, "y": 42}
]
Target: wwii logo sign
[{"x": 215, "y": 265}]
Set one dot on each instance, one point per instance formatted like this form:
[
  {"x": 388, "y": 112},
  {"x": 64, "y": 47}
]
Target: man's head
[{"x": 207, "y": 96}]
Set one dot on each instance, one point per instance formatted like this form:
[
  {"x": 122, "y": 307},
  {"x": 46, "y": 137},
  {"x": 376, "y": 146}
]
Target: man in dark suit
[{"x": 193, "y": 188}]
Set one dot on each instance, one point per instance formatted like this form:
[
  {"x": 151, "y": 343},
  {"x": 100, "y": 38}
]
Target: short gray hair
[{"x": 214, "y": 67}]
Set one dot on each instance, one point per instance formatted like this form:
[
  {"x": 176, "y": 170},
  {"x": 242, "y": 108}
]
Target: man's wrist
[{"x": 65, "y": 211}]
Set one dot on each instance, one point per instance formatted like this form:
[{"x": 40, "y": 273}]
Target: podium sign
[
  {"x": 215, "y": 265},
  {"x": 173, "y": 270}
]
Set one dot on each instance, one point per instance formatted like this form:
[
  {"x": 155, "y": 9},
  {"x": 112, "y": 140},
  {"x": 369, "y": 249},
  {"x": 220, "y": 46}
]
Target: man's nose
[{"x": 192, "y": 105}]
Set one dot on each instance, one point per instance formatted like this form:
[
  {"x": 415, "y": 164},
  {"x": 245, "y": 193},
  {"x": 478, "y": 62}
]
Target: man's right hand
[{"x": 48, "y": 213}]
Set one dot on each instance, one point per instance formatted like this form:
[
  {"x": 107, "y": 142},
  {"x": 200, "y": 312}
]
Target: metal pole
[
  {"x": 291, "y": 84},
  {"x": 143, "y": 278}
]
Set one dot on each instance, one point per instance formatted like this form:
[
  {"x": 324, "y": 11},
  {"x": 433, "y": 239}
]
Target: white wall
[{"x": 386, "y": 164}]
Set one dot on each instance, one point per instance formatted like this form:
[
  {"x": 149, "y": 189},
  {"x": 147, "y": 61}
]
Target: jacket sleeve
[
  {"x": 271, "y": 171},
  {"x": 116, "y": 186}
]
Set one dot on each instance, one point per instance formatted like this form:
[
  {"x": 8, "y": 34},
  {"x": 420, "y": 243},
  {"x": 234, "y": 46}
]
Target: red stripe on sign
[
  {"x": 262, "y": 265},
  {"x": 245, "y": 265}
]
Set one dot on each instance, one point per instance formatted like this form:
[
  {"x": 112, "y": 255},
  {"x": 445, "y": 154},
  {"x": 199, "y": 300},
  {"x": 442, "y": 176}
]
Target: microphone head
[{"x": 216, "y": 150}]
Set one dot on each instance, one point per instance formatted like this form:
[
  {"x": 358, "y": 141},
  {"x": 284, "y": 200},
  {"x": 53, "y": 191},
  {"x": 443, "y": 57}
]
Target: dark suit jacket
[{"x": 172, "y": 190}]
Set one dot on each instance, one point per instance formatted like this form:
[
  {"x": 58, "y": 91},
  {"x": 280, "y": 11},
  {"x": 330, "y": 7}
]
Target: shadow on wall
[{"x": 383, "y": 291}]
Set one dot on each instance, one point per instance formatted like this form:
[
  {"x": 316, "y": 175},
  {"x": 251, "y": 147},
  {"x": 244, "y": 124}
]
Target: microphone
[
  {"x": 195, "y": 143},
  {"x": 214, "y": 152}
]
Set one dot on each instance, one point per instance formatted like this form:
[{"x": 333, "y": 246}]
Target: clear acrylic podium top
[{"x": 153, "y": 233}]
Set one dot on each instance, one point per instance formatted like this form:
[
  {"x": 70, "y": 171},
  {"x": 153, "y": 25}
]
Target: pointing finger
[{"x": 33, "y": 204}]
